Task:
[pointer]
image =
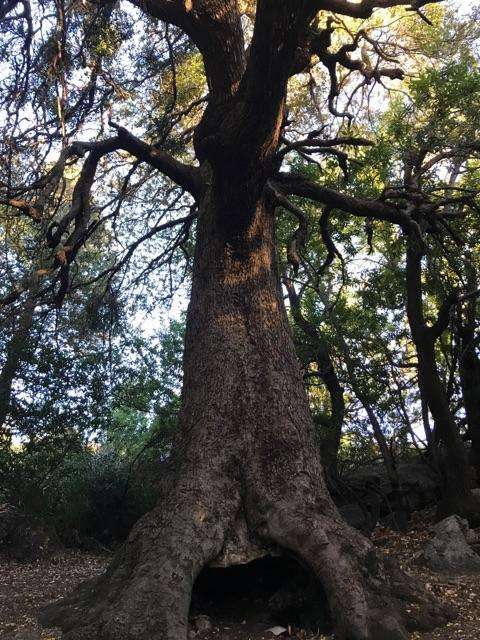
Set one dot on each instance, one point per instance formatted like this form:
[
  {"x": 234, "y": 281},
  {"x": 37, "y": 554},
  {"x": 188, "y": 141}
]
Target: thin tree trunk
[
  {"x": 430, "y": 435},
  {"x": 329, "y": 376},
  {"x": 321, "y": 356},
  {"x": 457, "y": 497},
  {"x": 246, "y": 473},
  {"x": 388, "y": 459},
  {"x": 469, "y": 368},
  {"x": 13, "y": 358}
]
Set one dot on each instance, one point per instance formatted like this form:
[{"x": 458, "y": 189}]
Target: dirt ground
[{"x": 25, "y": 587}]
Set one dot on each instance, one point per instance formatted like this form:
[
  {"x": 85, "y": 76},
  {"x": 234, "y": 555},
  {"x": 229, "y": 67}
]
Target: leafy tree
[
  {"x": 429, "y": 135},
  {"x": 90, "y": 424}
]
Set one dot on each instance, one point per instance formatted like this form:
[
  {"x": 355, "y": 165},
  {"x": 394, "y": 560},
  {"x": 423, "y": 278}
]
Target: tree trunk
[
  {"x": 469, "y": 367},
  {"x": 320, "y": 354},
  {"x": 14, "y": 355},
  {"x": 430, "y": 435},
  {"x": 333, "y": 437},
  {"x": 457, "y": 497},
  {"x": 398, "y": 502},
  {"x": 245, "y": 474},
  {"x": 398, "y": 506}
]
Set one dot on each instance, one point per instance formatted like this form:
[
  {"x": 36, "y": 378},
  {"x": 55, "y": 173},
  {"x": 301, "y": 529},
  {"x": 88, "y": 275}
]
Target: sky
[{"x": 465, "y": 5}]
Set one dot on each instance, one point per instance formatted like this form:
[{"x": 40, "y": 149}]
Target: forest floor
[{"x": 25, "y": 587}]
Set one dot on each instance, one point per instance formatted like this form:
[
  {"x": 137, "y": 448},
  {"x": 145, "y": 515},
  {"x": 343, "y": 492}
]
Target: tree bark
[{"x": 245, "y": 474}]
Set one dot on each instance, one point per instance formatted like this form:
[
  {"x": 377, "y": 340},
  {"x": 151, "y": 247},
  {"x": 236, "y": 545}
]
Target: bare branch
[{"x": 186, "y": 176}]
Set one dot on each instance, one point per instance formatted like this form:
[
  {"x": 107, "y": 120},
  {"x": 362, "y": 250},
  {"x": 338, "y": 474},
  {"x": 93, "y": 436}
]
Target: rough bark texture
[
  {"x": 245, "y": 474},
  {"x": 246, "y": 468}
]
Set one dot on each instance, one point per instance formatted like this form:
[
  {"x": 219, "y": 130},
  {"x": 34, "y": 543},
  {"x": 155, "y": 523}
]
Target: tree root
[
  {"x": 370, "y": 596},
  {"x": 146, "y": 592}
]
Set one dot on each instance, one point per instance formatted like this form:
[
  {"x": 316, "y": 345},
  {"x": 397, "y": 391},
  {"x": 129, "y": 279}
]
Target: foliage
[{"x": 92, "y": 423}]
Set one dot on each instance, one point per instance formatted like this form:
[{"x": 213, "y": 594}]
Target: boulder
[
  {"x": 369, "y": 488},
  {"x": 199, "y": 625},
  {"x": 24, "y": 538},
  {"x": 419, "y": 484},
  {"x": 448, "y": 550},
  {"x": 358, "y": 517}
]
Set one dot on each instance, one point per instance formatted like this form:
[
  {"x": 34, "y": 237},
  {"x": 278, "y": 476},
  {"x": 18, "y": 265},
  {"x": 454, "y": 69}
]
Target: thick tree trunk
[
  {"x": 457, "y": 496},
  {"x": 245, "y": 474}
]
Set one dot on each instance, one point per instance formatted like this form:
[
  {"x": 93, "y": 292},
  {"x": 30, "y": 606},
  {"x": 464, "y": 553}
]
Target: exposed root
[
  {"x": 370, "y": 596},
  {"x": 146, "y": 591}
]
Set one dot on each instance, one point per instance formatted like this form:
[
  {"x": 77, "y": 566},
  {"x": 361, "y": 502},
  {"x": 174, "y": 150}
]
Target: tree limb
[
  {"x": 299, "y": 238},
  {"x": 215, "y": 28},
  {"x": 295, "y": 184},
  {"x": 365, "y": 8},
  {"x": 186, "y": 176},
  {"x": 24, "y": 207},
  {"x": 443, "y": 317}
]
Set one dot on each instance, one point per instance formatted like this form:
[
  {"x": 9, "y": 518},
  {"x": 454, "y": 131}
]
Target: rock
[
  {"x": 369, "y": 490},
  {"x": 448, "y": 550},
  {"x": 199, "y": 624},
  {"x": 419, "y": 484},
  {"x": 24, "y": 538},
  {"x": 358, "y": 518},
  {"x": 277, "y": 631},
  {"x": 25, "y": 634},
  {"x": 471, "y": 536}
]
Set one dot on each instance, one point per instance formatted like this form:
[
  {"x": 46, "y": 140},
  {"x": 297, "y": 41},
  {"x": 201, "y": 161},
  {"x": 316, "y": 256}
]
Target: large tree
[{"x": 245, "y": 473}]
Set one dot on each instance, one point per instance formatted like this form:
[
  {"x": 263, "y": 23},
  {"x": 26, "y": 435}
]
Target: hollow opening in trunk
[{"x": 267, "y": 592}]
